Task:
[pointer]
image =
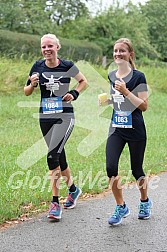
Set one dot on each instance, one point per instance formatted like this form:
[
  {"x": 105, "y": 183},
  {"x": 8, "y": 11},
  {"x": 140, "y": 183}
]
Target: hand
[
  {"x": 104, "y": 103},
  {"x": 34, "y": 78},
  {"x": 68, "y": 97},
  {"x": 120, "y": 86}
]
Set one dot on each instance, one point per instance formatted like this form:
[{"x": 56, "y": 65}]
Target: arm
[
  {"x": 82, "y": 82},
  {"x": 140, "y": 102},
  {"x": 34, "y": 79},
  {"x": 73, "y": 94}
]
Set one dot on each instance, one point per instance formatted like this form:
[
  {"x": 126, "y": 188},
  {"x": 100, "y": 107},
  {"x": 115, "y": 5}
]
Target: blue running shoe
[
  {"x": 55, "y": 211},
  {"x": 120, "y": 212},
  {"x": 72, "y": 198},
  {"x": 145, "y": 210}
]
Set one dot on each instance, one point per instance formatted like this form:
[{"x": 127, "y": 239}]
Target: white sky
[
  {"x": 106, "y": 3},
  {"x": 109, "y": 2}
]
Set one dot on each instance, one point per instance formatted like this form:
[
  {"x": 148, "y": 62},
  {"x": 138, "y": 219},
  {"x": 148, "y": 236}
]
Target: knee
[
  {"x": 53, "y": 161},
  {"x": 138, "y": 174},
  {"x": 63, "y": 166},
  {"x": 112, "y": 171}
]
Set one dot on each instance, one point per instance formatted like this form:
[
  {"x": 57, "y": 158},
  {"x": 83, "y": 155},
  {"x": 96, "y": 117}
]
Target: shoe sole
[
  {"x": 144, "y": 218},
  {"x": 115, "y": 224},
  {"x": 126, "y": 215},
  {"x": 53, "y": 217},
  {"x": 75, "y": 201}
]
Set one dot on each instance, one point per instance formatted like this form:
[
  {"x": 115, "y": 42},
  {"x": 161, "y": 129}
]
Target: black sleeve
[
  {"x": 142, "y": 86},
  {"x": 73, "y": 70},
  {"x": 111, "y": 78},
  {"x": 34, "y": 69}
]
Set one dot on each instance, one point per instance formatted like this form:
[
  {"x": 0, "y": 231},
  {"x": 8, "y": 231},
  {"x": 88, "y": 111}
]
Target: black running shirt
[
  {"x": 135, "y": 82},
  {"x": 55, "y": 81}
]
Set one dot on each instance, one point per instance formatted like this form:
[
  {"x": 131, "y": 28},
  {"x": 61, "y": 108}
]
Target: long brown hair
[{"x": 127, "y": 42}]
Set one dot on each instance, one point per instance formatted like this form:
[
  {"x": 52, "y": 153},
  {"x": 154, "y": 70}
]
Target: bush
[{"x": 27, "y": 46}]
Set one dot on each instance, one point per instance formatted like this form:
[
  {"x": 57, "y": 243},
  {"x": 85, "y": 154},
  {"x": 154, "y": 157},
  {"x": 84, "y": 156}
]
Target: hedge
[{"x": 26, "y": 46}]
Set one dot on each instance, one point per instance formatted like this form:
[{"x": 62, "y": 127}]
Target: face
[
  {"x": 49, "y": 48},
  {"x": 121, "y": 53}
]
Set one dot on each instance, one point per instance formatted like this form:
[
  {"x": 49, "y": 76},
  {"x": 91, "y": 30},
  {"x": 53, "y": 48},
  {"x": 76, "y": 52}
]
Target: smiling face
[
  {"x": 121, "y": 53},
  {"x": 49, "y": 48}
]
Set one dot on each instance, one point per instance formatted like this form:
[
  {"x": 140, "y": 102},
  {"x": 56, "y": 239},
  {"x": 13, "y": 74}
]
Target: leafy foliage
[
  {"x": 156, "y": 13},
  {"x": 144, "y": 24},
  {"x": 27, "y": 46},
  {"x": 39, "y": 16},
  {"x": 107, "y": 26},
  {"x": 65, "y": 10}
]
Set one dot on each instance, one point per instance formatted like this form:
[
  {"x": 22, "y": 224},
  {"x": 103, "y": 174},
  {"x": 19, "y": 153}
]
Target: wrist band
[{"x": 74, "y": 93}]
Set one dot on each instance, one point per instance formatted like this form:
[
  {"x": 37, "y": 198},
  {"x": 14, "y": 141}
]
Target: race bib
[
  {"x": 122, "y": 119},
  {"x": 52, "y": 105}
]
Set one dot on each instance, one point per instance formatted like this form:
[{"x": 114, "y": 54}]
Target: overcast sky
[{"x": 107, "y": 3}]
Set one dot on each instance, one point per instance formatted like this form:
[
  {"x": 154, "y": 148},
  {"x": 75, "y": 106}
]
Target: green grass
[{"x": 19, "y": 130}]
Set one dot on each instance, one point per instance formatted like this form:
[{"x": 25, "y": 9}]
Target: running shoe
[
  {"x": 145, "y": 210},
  {"x": 120, "y": 212},
  {"x": 55, "y": 211},
  {"x": 72, "y": 198}
]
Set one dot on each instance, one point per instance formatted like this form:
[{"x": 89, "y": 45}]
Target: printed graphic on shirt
[
  {"x": 53, "y": 84},
  {"x": 118, "y": 97}
]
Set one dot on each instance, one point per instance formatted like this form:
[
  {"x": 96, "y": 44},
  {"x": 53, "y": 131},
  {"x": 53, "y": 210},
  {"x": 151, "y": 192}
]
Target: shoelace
[
  {"x": 54, "y": 206},
  {"x": 143, "y": 207},
  {"x": 69, "y": 198},
  {"x": 117, "y": 212}
]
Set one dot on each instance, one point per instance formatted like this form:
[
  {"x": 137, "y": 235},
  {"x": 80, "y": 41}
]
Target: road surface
[{"x": 85, "y": 228}]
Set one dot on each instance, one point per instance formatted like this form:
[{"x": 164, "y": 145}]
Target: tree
[
  {"x": 24, "y": 16},
  {"x": 65, "y": 10},
  {"x": 156, "y": 13},
  {"x": 10, "y": 15},
  {"x": 36, "y": 17},
  {"x": 109, "y": 25},
  {"x": 39, "y": 16}
]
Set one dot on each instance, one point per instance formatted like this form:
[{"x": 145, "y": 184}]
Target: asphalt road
[{"x": 85, "y": 228}]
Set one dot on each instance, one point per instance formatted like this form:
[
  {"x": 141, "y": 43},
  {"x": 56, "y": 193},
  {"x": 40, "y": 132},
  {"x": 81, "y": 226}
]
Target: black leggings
[
  {"x": 114, "y": 147},
  {"x": 56, "y": 134}
]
